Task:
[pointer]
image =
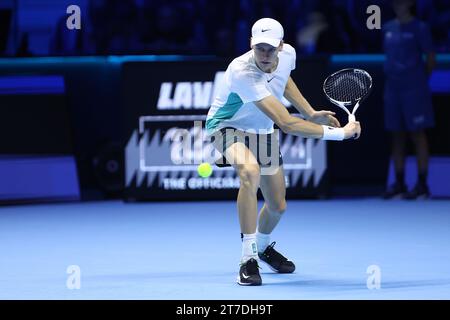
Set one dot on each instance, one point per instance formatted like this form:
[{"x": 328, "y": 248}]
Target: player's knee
[
  {"x": 249, "y": 175},
  {"x": 278, "y": 207}
]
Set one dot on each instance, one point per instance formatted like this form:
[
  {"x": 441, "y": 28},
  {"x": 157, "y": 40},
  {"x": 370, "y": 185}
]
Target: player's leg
[
  {"x": 273, "y": 189},
  {"x": 231, "y": 144},
  {"x": 248, "y": 171},
  {"x": 272, "y": 184}
]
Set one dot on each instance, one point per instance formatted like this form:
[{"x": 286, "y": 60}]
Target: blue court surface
[{"x": 191, "y": 250}]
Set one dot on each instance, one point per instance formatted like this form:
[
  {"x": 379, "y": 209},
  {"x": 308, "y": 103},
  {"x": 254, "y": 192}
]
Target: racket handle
[{"x": 351, "y": 118}]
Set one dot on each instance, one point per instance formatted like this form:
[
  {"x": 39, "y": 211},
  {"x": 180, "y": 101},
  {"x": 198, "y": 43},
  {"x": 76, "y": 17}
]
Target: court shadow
[
  {"x": 269, "y": 279},
  {"x": 347, "y": 284}
]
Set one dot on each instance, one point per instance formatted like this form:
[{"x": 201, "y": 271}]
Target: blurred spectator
[
  {"x": 122, "y": 31},
  {"x": 223, "y": 43},
  {"x": 308, "y": 35},
  {"x": 437, "y": 14},
  {"x": 66, "y": 42},
  {"x": 98, "y": 19},
  {"x": 220, "y": 21},
  {"x": 172, "y": 28},
  {"x": 243, "y": 28},
  {"x": 340, "y": 36},
  {"x": 5, "y": 23},
  {"x": 23, "y": 50},
  {"x": 221, "y": 27}
]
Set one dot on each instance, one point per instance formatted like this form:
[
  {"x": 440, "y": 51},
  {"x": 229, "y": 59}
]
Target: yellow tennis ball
[{"x": 204, "y": 170}]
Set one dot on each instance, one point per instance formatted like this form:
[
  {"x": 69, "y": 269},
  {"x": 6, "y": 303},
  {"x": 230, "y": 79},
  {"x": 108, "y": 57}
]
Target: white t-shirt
[{"x": 244, "y": 83}]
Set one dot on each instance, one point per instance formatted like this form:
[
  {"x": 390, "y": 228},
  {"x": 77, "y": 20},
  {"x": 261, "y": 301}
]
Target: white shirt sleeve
[{"x": 249, "y": 85}]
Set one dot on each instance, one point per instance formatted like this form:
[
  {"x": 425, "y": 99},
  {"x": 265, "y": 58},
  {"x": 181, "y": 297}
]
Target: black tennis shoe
[
  {"x": 276, "y": 261},
  {"x": 249, "y": 274},
  {"x": 420, "y": 191},
  {"x": 395, "y": 191}
]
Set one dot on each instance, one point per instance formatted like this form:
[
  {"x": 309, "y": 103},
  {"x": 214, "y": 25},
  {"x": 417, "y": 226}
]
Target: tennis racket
[{"x": 346, "y": 88}]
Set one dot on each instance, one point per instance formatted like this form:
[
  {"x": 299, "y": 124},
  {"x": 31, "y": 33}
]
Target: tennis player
[{"x": 240, "y": 123}]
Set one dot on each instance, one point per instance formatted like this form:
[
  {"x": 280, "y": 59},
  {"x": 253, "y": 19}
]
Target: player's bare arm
[
  {"x": 293, "y": 95},
  {"x": 289, "y": 124}
]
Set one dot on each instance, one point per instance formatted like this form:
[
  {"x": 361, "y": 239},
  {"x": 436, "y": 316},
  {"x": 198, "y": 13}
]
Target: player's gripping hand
[
  {"x": 352, "y": 130},
  {"x": 325, "y": 117}
]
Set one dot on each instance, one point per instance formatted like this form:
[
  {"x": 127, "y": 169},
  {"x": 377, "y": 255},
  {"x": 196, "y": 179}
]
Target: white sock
[
  {"x": 262, "y": 240},
  {"x": 249, "y": 247}
]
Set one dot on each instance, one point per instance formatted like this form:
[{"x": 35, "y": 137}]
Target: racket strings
[{"x": 348, "y": 86}]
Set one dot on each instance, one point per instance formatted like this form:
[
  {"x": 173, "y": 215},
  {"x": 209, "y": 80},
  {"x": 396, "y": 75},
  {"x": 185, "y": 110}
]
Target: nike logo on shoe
[
  {"x": 245, "y": 276},
  {"x": 270, "y": 79}
]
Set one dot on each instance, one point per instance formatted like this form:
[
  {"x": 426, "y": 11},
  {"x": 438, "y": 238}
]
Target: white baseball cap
[{"x": 267, "y": 30}]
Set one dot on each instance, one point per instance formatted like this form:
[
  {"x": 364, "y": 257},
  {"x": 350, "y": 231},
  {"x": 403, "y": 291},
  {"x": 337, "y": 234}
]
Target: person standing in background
[{"x": 408, "y": 108}]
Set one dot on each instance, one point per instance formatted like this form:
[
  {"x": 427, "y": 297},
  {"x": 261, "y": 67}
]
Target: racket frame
[{"x": 356, "y": 103}]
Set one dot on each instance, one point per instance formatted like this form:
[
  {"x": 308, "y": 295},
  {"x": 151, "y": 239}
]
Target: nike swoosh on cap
[{"x": 264, "y": 30}]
